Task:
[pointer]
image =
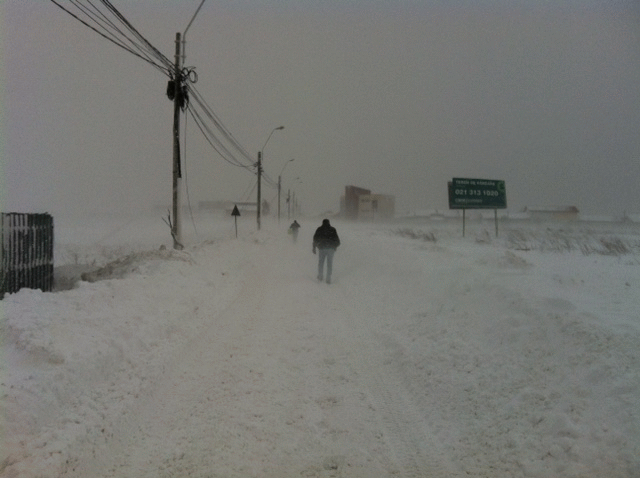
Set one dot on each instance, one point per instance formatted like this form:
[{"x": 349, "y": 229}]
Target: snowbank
[{"x": 429, "y": 355}]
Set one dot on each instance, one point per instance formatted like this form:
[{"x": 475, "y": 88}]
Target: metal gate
[{"x": 26, "y": 256}]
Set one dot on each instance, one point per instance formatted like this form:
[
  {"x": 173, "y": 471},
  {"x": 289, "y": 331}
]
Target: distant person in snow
[
  {"x": 293, "y": 230},
  {"x": 327, "y": 241}
]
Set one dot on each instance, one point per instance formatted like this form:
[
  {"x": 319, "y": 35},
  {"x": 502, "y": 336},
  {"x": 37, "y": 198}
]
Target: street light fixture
[
  {"x": 184, "y": 34},
  {"x": 280, "y": 186},
  {"x": 178, "y": 102},
  {"x": 260, "y": 171}
]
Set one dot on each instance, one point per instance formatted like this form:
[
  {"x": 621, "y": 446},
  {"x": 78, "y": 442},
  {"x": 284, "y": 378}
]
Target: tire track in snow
[{"x": 407, "y": 433}]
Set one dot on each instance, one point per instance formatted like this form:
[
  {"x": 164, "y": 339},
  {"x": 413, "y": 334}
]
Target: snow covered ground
[{"x": 429, "y": 354}]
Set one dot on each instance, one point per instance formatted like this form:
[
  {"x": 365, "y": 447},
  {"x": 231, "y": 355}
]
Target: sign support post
[
  {"x": 235, "y": 213},
  {"x": 463, "y": 220},
  {"x": 477, "y": 194}
]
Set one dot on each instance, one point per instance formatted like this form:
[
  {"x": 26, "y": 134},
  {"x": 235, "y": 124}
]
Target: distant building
[
  {"x": 376, "y": 206},
  {"x": 558, "y": 213},
  {"x": 350, "y": 205},
  {"x": 360, "y": 204}
]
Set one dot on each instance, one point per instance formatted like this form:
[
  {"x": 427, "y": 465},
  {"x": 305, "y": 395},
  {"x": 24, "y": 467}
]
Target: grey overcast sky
[{"x": 396, "y": 96}]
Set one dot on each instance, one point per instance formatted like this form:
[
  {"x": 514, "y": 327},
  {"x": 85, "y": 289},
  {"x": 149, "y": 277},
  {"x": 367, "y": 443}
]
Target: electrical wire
[
  {"x": 248, "y": 193},
  {"x": 102, "y": 19},
  {"x": 149, "y": 47},
  {"x": 224, "y": 131},
  {"x": 136, "y": 44},
  {"x": 186, "y": 179},
  {"x": 215, "y": 143},
  {"x": 269, "y": 181},
  {"x": 164, "y": 64},
  {"x": 212, "y": 138},
  {"x": 217, "y": 135},
  {"x": 109, "y": 23}
]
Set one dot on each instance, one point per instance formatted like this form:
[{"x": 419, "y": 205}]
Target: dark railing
[{"x": 26, "y": 255}]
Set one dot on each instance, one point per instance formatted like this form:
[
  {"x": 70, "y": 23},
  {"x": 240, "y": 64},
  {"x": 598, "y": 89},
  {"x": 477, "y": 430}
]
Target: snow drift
[{"x": 429, "y": 355}]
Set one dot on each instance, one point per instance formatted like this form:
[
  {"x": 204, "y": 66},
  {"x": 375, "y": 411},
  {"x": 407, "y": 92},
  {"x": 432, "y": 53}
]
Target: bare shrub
[
  {"x": 424, "y": 236},
  {"x": 607, "y": 246},
  {"x": 614, "y": 246},
  {"x": 568, "y": 240}
]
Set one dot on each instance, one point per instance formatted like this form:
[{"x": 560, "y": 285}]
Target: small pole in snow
[
  {"x": 235, "y": 213},
  {"x": 463, "y": 220}
]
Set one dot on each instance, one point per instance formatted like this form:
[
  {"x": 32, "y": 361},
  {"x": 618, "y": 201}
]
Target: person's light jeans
[{"x": 325, "y": 254}]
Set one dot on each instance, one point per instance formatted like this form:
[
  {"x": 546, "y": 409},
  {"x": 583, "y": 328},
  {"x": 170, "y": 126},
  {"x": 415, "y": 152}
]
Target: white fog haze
[
  {"x": 447, "y": 344},
  {"x": 395, "y": 97}
]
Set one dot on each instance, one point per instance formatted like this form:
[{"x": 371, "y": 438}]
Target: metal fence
[{"x": 26, "y": 256}]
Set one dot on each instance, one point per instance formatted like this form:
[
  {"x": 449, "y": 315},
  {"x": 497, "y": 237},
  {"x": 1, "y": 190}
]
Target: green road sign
[{"x": 477, "y": 194}]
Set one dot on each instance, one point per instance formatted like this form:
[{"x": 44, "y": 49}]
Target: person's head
[{"x": 325, "y": 222}]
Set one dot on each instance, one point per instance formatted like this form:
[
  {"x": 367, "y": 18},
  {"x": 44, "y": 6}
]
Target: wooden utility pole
[
  {"x": 179, "y": 102},
  {"x": 279, "y": 187},
  {"x": 293, "y": 206},
  {"x": 259, "y": 183},
  {"x": 260, "y": 171},
  {"x": 177, "y": 99}
]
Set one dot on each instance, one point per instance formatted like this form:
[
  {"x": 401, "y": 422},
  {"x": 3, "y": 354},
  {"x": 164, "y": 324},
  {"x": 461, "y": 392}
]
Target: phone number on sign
[{"x": 475, "y": 192}]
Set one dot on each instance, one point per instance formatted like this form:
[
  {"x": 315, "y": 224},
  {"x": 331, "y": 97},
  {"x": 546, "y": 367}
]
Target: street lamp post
[
  {"x": 294, "y": 199},
  {"x": 280, "y": 186},
  {"x": 184, "y": 34},
  {"x": 178, "y": 102},
  {"x": 260, "y": 172}
]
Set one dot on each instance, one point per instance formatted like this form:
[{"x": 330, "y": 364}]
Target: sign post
[
  {"x": 467, "y": 193},
  {"x": 235, "y": 213}
]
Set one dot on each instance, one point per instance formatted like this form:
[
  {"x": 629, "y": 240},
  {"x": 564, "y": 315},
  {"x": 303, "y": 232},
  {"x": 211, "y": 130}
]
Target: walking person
[
  {"x": 326, "y": 240},
  {"x": 293, "y": 230}
]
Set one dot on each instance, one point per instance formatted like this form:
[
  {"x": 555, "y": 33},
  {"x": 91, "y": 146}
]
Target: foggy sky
[{"x": 395, "y": 96}]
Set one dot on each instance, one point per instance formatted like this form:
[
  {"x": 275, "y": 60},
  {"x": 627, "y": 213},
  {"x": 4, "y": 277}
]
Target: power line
[
  {"x": 249, "y": 192},
  {"x": 104, "y": 19},
  {"x": 153, "y": 50},
  {"x": 215, "y": 143},
  {"x": 139, "y": 46},
  {"x": 269, "y": 181},
  {"x": 223, "y": 142},
  {"x": 186, "y": 178},
  {"x": 218, "y": 124},
  {"x": 148, "y": 51}
]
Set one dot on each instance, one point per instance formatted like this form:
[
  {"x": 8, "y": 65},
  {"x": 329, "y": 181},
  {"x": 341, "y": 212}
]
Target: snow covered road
[
  {"x": 288, "y": 380},
  {"x": 422, "y": 358}
]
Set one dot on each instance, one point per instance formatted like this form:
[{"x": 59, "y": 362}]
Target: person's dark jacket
[{"x": 326, "y": 236}]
